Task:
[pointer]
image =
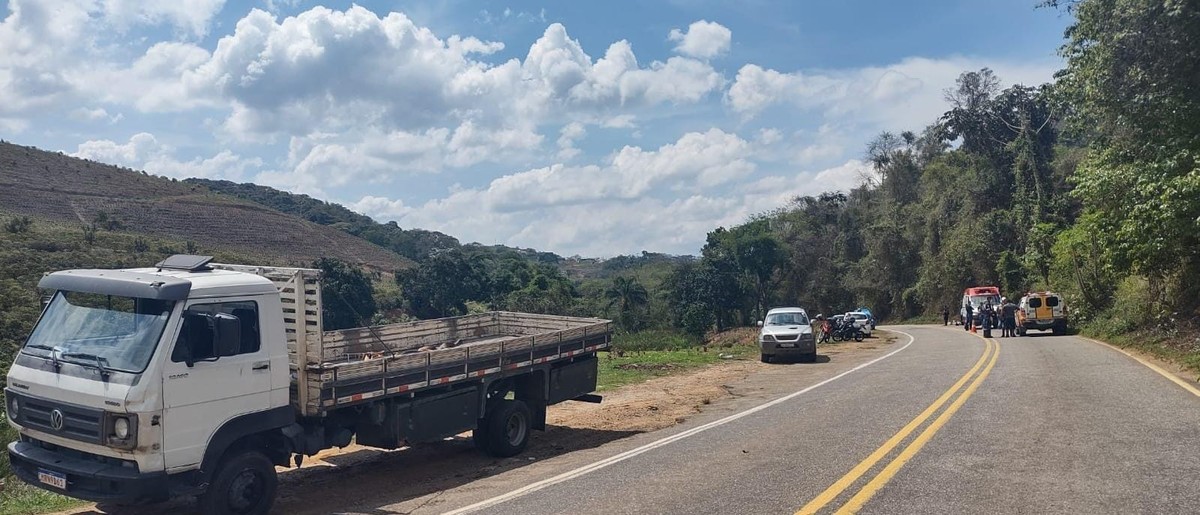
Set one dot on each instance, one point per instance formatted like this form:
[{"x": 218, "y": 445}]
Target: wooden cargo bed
[
  {"x": 366, "y": 363},
  {"x": 331, "y": 369}
]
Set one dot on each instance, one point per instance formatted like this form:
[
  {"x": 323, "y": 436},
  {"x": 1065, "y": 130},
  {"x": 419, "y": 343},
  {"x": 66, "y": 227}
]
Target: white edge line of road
[
  {"x": 566, "y": 476},
  {"x": 1172, "y": 377}
]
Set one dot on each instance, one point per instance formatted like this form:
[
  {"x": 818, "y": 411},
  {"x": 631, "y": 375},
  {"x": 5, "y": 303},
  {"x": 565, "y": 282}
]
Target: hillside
[
  {"x": 415, "y": 244},
  {"x": 53, "y": 186}
]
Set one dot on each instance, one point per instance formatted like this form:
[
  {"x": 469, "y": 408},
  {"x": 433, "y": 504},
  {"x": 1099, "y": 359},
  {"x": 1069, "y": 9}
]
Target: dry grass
[{"x": 52, "y": 186}]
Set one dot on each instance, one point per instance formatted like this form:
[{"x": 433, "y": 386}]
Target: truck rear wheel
[
  {"x": 506, "y": 428},
  {"x": 244, "y": 484}
]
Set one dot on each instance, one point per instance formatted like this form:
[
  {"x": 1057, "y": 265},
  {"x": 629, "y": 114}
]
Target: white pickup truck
[{"x": 194, "y": 378}]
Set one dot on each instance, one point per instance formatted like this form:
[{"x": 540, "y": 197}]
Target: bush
[
  {"x": 652, "y": 340},
  {"x": 19, "y": 225},
  {"x": 89, "y": 234}
]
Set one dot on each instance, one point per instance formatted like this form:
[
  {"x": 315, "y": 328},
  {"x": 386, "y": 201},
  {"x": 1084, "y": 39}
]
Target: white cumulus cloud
[
  {"x": 703, "y": 39},
  {"x": 895, "y": 96},
  {"x": 144, "y": 151}
]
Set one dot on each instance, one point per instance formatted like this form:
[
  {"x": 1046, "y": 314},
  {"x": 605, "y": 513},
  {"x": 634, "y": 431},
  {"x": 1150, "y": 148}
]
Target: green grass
[
  {"x": 1183, "y": 350},
  {"x": 18, "y": 498},
  {"x": 654, "y": 339},
  {"x": 640, "y": 356},
  {"x": 634, "y": 368}
]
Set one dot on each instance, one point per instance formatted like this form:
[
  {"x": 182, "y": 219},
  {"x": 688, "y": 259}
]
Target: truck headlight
[
  {"x": 121, "y": 428},
  {"x": 767, "y": 338},
  {"x": 15, "y": 409}
]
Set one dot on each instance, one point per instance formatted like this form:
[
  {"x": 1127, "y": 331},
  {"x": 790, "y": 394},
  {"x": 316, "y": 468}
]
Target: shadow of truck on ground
[{"x": 363, "y": 479}]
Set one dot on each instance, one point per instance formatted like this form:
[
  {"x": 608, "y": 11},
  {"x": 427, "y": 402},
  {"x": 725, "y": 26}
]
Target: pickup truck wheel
[
  {"x": 508, "y": 427},
  {"x": 766, "y": 358},
  {"x": 858, "y": 337},
  {"x": 244, "y": 484}
]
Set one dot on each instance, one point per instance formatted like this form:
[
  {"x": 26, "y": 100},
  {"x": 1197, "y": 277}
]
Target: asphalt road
[{"x": 1039, "y": 424}]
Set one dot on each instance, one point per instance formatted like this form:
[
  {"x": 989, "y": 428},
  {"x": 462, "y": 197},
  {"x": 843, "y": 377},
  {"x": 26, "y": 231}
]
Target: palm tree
[{"x": 627, "y": 295}]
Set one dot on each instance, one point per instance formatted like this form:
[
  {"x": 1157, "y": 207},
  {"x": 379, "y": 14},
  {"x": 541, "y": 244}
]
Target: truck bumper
[
  {"x": 87, "y": 479},
  {"x": 1044, "y": 324},
  {"x": 800, "y": 348}
]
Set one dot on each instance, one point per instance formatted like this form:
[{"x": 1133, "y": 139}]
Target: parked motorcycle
[{"x": 848, "y": 330}]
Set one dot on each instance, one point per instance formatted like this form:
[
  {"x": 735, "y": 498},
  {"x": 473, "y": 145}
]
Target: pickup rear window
[
  {"x": 1035, "y": 302},
  {"x": 1052, "y": 301}
]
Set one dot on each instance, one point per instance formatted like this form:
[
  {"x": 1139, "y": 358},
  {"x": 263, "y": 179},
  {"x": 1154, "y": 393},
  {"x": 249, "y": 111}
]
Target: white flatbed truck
[{"x": 195, "y": 378}]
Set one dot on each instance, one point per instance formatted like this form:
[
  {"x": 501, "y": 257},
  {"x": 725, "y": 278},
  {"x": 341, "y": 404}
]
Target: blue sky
[{"x": 590, "y": 128}]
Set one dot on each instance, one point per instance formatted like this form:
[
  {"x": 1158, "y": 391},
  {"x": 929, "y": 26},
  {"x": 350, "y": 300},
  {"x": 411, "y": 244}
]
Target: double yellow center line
[{"x": 990, "y": 352}]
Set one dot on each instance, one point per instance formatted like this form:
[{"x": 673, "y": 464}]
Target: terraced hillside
[{"x": 53, "y": 186}]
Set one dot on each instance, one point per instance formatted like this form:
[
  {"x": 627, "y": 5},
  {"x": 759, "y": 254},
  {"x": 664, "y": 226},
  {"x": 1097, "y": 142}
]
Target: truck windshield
[
  {"x": 786, "y": 319},
  {"x": 978, "y": 301},
  {"x": 118, "y": 333}
]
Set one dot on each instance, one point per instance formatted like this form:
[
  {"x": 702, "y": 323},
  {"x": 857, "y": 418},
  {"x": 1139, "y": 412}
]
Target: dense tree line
[{"x": 1088, "y": 185}]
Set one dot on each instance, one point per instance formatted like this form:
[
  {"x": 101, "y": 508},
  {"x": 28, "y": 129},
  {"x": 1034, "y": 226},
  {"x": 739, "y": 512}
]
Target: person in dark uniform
[
  {"x": 945, "y": 316},
  {"x": 1008, "y": 317},
  {"x": 969, "y": 318}
]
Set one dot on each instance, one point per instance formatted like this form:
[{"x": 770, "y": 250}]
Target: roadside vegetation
[
  {"x": 636, "y": 357},
  {"x": 1088, "y": 186}
]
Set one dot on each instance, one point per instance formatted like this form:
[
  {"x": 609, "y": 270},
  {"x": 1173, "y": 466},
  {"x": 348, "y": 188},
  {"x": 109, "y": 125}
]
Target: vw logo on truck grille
[{"x": 56, "y": 420}]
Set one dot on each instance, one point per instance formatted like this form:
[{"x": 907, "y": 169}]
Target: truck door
[
  {"x": 1054, "y": 304},
  {"x": 229, "y": 376},
  {"x": 1041, "y": 309}
]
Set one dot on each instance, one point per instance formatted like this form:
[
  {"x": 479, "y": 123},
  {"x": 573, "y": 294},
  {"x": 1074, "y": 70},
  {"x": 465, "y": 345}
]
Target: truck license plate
[
  {"x": 787, "y": 345},
  {"x": 53, "y": 479}
]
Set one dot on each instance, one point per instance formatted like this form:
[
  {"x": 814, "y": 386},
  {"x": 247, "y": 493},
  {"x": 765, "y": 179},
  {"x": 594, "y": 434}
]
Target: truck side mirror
[
  {"x": 760, "y": 323},
  {"x": 227, "y": 337}
]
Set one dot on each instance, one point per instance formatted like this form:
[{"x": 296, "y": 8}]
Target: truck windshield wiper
[
  {"x": 98, "y": 365},
  {"x": 52, "y": 353}
]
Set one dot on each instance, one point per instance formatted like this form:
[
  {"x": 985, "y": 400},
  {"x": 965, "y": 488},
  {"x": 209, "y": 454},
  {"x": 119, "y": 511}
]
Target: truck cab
[
  {"x": 977, "y": 297},
  {"x": 786, "y": 332},
  {"x": 131, "y": 377},
  {"x": 197, "y": 378}
]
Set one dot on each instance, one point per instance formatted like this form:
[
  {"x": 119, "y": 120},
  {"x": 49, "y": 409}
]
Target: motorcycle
[{"x": 848, "y": 330}]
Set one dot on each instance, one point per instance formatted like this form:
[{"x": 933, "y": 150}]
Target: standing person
[
  {"x": 987, "y": 315},
  {"x": 968, "y": 317},
  {"x": 945, "y": 316},
  {"x": 1008, "y": 313}
]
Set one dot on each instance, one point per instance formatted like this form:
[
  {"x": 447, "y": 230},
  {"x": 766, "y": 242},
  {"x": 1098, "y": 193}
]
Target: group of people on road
[{"x": 988, "y": 317}]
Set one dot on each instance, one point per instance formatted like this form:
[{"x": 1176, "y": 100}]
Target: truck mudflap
[{"x": 86, "y": 479}]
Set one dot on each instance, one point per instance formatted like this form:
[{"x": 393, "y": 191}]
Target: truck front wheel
[
  {"x": 244, "y": 484},
  {"x": 506, "y": 428}
]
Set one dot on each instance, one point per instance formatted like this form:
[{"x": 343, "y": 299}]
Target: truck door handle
[{"x": 262, "y": 365}]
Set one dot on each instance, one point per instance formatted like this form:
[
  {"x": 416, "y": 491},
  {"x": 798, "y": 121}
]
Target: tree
[
  {"x": 627, "y": 295},
  {"x": 689, "y": 297},
  {"x": 1011, "y": 272},
  {"x": 968, "y": 116},
  {"x": 442, "y": 285},
  {"x": 347, "y": 296},
  {"x": 1131, "y": 79}
]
